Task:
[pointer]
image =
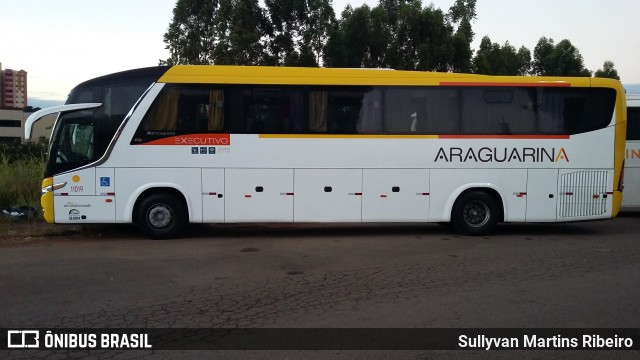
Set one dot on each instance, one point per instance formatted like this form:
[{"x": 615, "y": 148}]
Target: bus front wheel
[
  {"x": 475, "y": 213},
  {"x": 161, "y": 216}
]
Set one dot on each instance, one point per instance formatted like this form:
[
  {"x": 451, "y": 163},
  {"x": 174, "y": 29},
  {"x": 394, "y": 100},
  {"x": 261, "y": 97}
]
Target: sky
[{"x": 63, "y": 43}]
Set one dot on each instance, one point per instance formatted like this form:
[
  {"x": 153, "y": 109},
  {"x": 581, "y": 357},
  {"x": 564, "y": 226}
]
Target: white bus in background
[
  {"x": 631, "y": 196},
  {"x": 167, "y": 146}
]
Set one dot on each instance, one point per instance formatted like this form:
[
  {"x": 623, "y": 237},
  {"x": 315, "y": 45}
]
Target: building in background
[
  {"x": 13, "y": 89},
  {"x": 13, "y": 101},
  {"x": 12, "y": 127}
]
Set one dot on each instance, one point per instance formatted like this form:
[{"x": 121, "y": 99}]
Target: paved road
[{"x": 307, "y": 276}]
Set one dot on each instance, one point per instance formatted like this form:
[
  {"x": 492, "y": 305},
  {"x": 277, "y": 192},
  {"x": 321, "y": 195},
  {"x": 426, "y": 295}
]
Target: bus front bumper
[{"x": 46, "y": 200}]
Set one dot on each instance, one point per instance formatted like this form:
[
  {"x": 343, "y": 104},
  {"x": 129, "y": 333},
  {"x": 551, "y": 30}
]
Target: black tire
[
  {"x": 475, "y": 213},
  {"x": 162, "y": 216}
]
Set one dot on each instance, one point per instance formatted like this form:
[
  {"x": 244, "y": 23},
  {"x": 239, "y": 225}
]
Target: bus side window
[
  {"x": 550, "y": 111},
  {"x": 182, "y": 109},
  {"x": 370, "y": 117},
  {"x": 345, "y": 110},
  {"x": 633, "y": 123},
  {"x": 318, "y": 104},
  {"x": 267, "y": 110},
  {"x": 498, "y": 111},
  {"x": 214, "y": 111},
  {"x": 163, "y": 114},
  {"x": 421, "y": 111},
  {"x": 201, "y": 109},
  {"x": 574, "y": 111}
]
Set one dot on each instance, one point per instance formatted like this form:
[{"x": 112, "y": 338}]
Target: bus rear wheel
[
  {"x": 475, "y": 213},
  {"x": 161, "y": 216}
]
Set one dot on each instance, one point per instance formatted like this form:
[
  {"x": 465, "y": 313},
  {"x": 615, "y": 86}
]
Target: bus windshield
[
  {"x": 81, "y": 138},
  {"x": 73, "y": 141}
]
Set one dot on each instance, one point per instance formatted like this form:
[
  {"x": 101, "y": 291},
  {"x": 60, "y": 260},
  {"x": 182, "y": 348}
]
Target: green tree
[
  {"x": 542, "y": 56},
  {"x": 216, "y": 32},
  {"x": 396, "y": 34},
  {"x": 436, "y": 44},
  {"x": 299, "y": 31},
  {"x": 524, "y": 61},
  {"x": 462, "y": 14},
  {"x": 607, "y": 71},
  {"x": 493, "y": 59},
  {"x": 423, "y": 39},
  {"x": 243, "y": 26},
  {"x": 359, "y": 39},
  {"x": 379, "y": 27},
  {"x": 562, "y": 59},
  {"x": 408, "y": 36},
  {"x": 192, "y": 32}
]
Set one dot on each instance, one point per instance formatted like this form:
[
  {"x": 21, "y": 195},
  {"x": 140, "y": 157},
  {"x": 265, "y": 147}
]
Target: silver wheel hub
[
  {"x": 160, "y": 216},
  {"x": 476, "y": 213}
]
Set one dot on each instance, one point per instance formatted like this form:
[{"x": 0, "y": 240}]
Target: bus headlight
[{"x": 50, "y": 188}]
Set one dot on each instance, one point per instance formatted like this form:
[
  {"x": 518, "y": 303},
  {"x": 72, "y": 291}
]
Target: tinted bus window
[
  {"x": 574, "y": 111},
  {"x": 498, "y": 110},
  {"x": 180, "y": 110},
  {"x": 346, "y": 110},
  {"x": 633, "y": 123},
  {"x": 270, "y": 110},
  {"x": 421, "y": 111}
]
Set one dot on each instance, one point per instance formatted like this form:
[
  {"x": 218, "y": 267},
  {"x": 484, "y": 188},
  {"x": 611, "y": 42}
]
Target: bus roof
[
  {"x": 126, "y": 76},
  {"x": 270, "y": 75}
]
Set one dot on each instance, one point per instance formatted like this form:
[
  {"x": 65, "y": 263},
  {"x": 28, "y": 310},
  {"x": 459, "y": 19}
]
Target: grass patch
[{"x": 21, "y": 178}]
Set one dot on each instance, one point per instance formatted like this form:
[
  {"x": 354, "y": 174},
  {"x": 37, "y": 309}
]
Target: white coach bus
[
  {"x": 631, "y": 199},
  {"x": 166, "y": 146}
]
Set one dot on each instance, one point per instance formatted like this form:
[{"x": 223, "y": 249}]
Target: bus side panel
[
  {"x": 395, "y": 195},
  {"x": 132, "y": 182},
  {"x": 257, "y": 195},
  {"x": 448, "y": 184},
  {"x": 213, "y": 195},
  {"x": 77, "y": 202},
  {"x": 542, "y": 194},
  {"x": 328, "y": 195}
]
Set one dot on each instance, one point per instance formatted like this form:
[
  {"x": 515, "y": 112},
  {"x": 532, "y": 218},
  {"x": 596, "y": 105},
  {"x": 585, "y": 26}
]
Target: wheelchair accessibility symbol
[{"x": 105, "y": 181}]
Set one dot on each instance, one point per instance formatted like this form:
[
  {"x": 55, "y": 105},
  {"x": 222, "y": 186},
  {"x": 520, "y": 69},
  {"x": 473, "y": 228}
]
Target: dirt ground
[{"x": 19, "y": 232}]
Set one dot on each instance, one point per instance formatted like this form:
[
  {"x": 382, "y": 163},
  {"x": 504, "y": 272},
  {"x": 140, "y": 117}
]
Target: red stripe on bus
[
  {"x": 195, "y": 140},
  {"x": 507, "y": 84},
  {"x": 540, "y": 137}
]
